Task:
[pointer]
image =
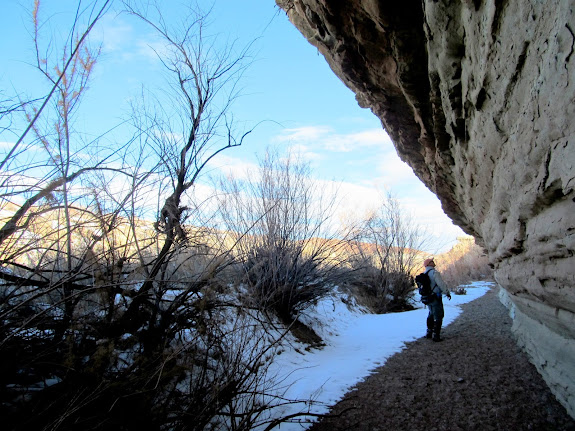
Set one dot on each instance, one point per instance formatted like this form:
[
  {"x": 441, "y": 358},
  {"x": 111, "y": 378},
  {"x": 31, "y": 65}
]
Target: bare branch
[{"x": 55, "y": 87}]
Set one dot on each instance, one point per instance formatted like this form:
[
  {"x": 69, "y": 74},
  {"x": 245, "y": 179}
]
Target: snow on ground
[{"x": 356, "y": 344}]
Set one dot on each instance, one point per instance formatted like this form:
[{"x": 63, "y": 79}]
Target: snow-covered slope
[{"x": 356, "y": 344}]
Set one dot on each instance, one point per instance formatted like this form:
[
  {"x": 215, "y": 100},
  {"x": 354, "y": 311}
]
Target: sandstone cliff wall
[{"x": 479, "y": 99}]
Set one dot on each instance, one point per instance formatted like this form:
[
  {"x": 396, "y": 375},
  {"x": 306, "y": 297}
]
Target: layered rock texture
[{"x": 479, "y": 98}]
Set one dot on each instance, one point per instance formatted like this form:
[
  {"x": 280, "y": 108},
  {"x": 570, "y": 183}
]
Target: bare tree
[
  {"x": 387, "y": 255},
  {"x": 187, "y": 127}
]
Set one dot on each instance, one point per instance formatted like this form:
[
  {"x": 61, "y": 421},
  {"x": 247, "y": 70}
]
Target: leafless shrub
[
  {"x": 386, "y": 257},
  {"x": 289, "y": 255},
  {"x": 282, "y": 279}
]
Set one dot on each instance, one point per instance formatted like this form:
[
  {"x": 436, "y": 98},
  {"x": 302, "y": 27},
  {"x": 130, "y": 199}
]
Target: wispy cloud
[
  {"x": 354, "y": 141},
  {"x": 232, "y": 166},
  {"x": 305, "y": 153},
  {"x": 303, "y": 135},
  {"x": 328, "y": 139},
  {"x": 114, "y": 33},
  {"x": 121, "y": 40}
]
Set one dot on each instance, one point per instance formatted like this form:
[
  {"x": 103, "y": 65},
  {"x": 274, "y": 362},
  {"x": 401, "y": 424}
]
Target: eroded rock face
[{"x": 479, "y": 98}]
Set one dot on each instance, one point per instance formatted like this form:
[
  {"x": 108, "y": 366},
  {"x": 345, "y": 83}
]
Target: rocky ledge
[{"x": 478, "y": 99}]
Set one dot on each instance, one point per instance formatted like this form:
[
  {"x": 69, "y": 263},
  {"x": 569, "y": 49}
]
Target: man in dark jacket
[{"x": 436, "y": 313}]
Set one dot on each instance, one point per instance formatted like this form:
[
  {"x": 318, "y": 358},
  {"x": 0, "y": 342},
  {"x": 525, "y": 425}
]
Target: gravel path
[{"x": 476, "y": 379}]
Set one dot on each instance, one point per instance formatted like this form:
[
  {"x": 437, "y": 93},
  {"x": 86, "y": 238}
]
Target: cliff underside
[{"x": 477, "y": 98}]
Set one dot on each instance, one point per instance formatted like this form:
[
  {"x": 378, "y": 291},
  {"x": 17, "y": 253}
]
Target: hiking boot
[
  {"x": 430, "y": 323},
  {"x": 437, "y": 330}
]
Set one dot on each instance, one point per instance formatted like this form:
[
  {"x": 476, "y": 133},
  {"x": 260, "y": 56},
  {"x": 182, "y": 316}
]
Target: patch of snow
[{"x": 332, "y": 314}]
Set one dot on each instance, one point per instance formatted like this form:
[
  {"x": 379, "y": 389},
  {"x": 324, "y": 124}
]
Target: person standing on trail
[{"x": 439, "y": 288}]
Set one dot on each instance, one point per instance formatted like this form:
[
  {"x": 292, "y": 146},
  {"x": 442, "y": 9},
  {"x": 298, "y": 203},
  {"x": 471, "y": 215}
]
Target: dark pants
[{"x": 435, "y": 317}]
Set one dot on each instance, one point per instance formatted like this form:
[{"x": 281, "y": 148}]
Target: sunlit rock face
[{"x": 478, "y": 97}]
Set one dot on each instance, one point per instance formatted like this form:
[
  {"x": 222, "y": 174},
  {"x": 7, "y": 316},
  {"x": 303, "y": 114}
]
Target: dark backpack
[{"x": 425, "y": 290}]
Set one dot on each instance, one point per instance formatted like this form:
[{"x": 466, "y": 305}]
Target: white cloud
[
  {"x": 232, "y": 166},
  {"x": 305, "y": 153},
  {"x": 345, "y": 143},
  {"x": 305, "y": 134},
  {"x": 357, "y": 200},
  {"x": 392, "y": 171},
  {"x": 327, "y": 139},
  {"x": 389, "y": 173},
  {"x": 127, "y": 41},
  {"x": 425, "y": 209},
  {"x": 113, "y": 33},
  {"x": 417, "y": 202}
]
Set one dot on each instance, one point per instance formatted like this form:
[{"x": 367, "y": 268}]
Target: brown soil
[{"x": 475, "y": 379}]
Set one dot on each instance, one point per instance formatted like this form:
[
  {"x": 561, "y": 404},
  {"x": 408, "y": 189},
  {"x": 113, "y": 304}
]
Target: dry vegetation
[{"x": 465, "y": 262}]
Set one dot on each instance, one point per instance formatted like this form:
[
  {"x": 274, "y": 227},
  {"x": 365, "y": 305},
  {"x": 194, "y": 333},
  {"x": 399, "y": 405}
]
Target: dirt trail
[{"x": 476, "y": 379}]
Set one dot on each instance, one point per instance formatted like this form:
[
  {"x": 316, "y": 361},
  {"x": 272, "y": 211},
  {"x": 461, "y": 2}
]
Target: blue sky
[{"x": 289, "y": 84}]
